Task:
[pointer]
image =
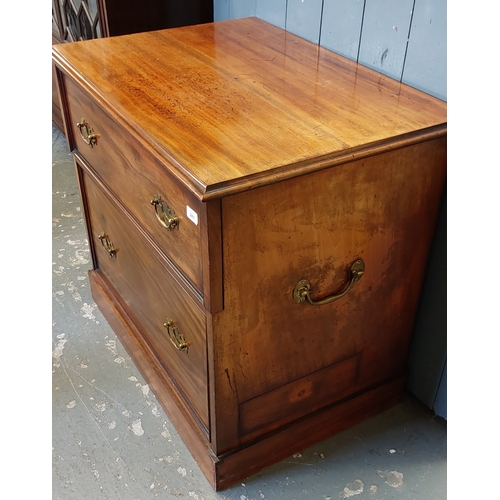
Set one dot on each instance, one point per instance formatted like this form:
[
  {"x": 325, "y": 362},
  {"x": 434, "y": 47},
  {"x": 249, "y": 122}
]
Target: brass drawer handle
[
  {"x": 107, "y": 245},
  {"x": 302, "y": 290},
  {"x": 87, "y": 133},
  {"x": 164, "y": 213},
  {"x": 175, "y": 336}
]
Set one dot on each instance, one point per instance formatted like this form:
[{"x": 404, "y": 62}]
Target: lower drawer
[{"x": 170, "y": 321}]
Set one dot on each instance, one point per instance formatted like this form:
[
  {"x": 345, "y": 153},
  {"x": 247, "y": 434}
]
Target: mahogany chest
[{"x": 259, "y": 212}]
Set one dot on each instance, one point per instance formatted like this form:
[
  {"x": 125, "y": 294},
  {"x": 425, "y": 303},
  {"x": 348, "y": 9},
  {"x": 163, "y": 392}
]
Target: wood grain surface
[
  {"x": 298, "y": 163},
  {"x": 152, "y": 295},
  {"x": 231, "y": 101},
  {"x": 135, "y": 178},
  {"x": 382, "y": 210}
]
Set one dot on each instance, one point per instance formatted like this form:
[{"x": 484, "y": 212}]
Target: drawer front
[
  {"x": 136, "y": 178},
  {"x": 167, "y": 317}
]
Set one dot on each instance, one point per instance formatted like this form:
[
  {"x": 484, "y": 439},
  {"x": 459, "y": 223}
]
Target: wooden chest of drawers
[{"x": 259, "y": 212}]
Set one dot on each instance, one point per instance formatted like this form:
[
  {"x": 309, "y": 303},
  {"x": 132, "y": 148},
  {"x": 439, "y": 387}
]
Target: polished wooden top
[{"x": 236, "y": 104}]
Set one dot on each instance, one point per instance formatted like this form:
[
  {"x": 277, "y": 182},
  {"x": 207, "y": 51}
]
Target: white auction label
[{"x": 192, "y": 215}]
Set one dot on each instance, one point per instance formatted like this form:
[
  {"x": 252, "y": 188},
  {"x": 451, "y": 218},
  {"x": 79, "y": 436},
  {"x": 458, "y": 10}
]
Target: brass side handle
[
  {"x": 165, "y": 214},
  {"x": 87, "y": 133},
  {"x": 107, "y": 245},
  {"x": 175, "y": 336},
  {"x": 302, "y": 290}
]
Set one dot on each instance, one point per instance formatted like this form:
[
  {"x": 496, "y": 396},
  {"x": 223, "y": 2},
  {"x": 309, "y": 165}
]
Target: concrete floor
[{"x": 112, "y": 440}]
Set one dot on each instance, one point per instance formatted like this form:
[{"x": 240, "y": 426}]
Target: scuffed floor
[{"x": 112, "y": 440}]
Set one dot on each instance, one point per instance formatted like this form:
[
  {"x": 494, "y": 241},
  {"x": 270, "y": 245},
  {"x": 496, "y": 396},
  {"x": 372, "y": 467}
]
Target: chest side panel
[{"x": 276, "y": 359}]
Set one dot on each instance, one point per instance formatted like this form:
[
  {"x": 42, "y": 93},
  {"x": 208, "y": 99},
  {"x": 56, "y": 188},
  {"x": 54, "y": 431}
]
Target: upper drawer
[
  {"x": 137, "y": 179},
  {"x": 167, "y": 316}
]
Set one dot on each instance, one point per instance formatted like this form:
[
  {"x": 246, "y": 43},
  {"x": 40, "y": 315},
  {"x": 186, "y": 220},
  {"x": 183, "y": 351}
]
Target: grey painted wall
[
  {"x": 406, "y": 40},
  {"x": 386, "y": 25},
  {"x": 425, "y": 65},
  {"x": 341, "y": 26}
]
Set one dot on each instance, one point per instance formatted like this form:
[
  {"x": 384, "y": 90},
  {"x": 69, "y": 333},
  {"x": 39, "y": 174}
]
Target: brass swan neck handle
[{"x": 302, "y": 290}]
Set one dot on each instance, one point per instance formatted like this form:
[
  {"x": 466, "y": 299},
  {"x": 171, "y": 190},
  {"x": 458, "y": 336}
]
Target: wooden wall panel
[
  {"x": 272, "y": 11},
  {"x": 426, "y": 61},
  {"x": 386, "y": 25},
  {"x": 303, "y": 18},
  {"x": 243, "y": 8},
  {"x": 221, "y": 10},
  {"x": 341, "y": 26}
]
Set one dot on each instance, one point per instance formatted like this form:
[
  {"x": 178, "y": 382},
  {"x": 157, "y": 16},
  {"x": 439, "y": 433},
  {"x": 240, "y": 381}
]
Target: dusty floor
[{"x": 112, "y": 440}]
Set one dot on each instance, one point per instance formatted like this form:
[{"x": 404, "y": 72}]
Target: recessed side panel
[
  {"x": 299, "y": 397},
  {"x": 317, "y": 270}
]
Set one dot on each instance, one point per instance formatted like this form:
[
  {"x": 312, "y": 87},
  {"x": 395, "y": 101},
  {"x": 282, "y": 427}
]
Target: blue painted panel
[
  {"x": 441, "y": 404},
  {"x": 429, "y": 344},
  {"x": 272, "y": 11},
  {"x": 221, "y": 10},
  {"x": 384, "y": 35},
  {"x": 242, "y": 8},
  {"x": 303, "y": 18},
  {"x": 425, "y": 66},
  {"x": 341, "y": 26}
]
